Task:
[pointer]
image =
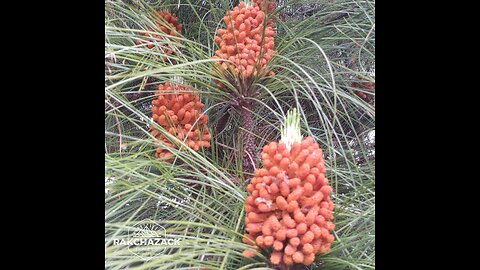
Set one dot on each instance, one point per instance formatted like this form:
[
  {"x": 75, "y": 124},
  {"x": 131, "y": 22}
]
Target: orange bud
[
  {"x": 307, "y": 237},
  {"x": 259, "y": 240},
  {"x": 302, "y": 228},
  {"x": 281, "y": 234},
  {"x": 268, "y": 240},
  {"x": 284, "y": 189},
  {"x": 307, "y": 189},
  {"x": 287, "y": 259},
  {"x": 295, "y": 195},
  {"x": 284, "y": 163},
  {"x": 281, "y": 203},
  {"x": 304, "y": 170},
  {"x": 277, "y": 245},
  {"x": 274, "y": 170},
  {"x": 295, "y": 241},
  {"x": 298, "y": 257},
  {"x": 276, "y": 256},
  {"x": 292, "y": 206},
  {"x": 307, "y": 248},
  {"x": 290, "y": 250},
  {"x": 254, "y": 227},
  {"x": 249, "y": 254},
  {"x": 294, "y": 182},
  {"x": 298, "y": 216},
  {"x": 309, "y": 258}
]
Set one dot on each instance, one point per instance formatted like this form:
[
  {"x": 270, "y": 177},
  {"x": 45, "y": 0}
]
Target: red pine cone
[
  {"x": 289, "y": 207},
  {"x": 244, "y": 42},
  {"x": 178, "y": 110},
  {"x": 162, "y": 18}
]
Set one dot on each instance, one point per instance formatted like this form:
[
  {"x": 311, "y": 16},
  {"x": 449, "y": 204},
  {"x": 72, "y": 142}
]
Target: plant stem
[{"x": 248, "y": 139}]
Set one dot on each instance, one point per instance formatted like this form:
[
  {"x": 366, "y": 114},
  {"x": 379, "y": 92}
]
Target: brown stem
[{"x": 248, "y": 139}]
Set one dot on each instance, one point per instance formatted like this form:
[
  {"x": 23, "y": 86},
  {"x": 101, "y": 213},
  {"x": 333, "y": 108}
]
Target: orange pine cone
[
  {"x": 289, "y": 206},
  {"x": 178, "y": 110},
  {"x": 245, "y": 43}
]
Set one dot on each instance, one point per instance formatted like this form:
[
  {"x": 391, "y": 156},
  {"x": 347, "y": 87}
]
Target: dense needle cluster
[
  {"x": 178, "y": 110},
  {"x": 247, "y": 42},
  {"x": 289, "y": 210},
  {"x": 163, "y": 18}
]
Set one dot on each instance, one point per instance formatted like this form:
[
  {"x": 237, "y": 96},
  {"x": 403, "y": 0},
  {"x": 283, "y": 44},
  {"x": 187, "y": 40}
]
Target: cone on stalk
[{"x": 289, "y": 209}]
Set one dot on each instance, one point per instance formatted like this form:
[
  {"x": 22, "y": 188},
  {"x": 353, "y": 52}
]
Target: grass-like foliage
[{"x": 323, "y": 47}]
